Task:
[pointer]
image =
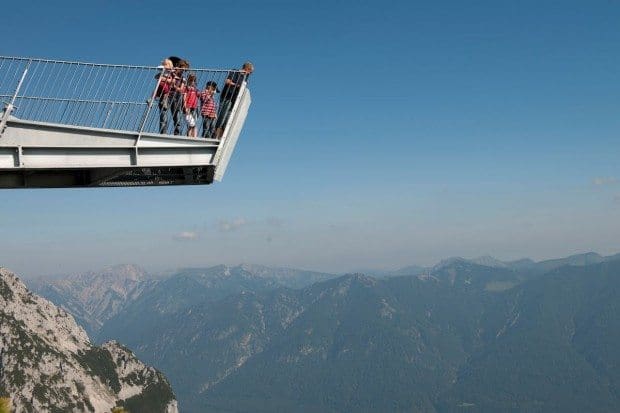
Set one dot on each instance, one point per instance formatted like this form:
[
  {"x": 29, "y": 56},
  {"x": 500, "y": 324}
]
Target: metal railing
[{"x": 103, "y": 96}]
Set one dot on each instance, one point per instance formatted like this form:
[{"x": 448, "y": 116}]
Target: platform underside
[
  {"x": 106, "y": 177},
  {"x": 37, "y": 155}
]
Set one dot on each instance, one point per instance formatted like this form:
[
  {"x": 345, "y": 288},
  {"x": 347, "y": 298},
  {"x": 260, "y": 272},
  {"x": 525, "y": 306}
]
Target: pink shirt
[{"x": 191, "y": 97}]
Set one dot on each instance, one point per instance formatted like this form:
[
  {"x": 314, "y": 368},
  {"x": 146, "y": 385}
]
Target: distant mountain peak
[
  {"x": 592, "y": 254},
  {"x": 587, "y": 258},
  {"x": 485, "y": 261},
  {"x": 359, "y": 279},
  {"x": 522, "y": 261},
  {"x": 284, "y": 276},
  {"x": 129, "y": 271},
  {"x": 252, "y": 267},
  {"x": 114, "y": 273},
  {"x": 488, "y": 261},
  {"x": 449, "y": 261},
  {"x": 94, "y": 297}
]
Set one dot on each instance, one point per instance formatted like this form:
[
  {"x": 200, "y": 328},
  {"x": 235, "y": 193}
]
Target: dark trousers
[
  {"x": 208, "y": 125},
  {"x": 224, "y": 113},
  {"x": 163, "y": 114},
  {"x": 176, "y": 107},
  {"x": 174, "y": 102}
]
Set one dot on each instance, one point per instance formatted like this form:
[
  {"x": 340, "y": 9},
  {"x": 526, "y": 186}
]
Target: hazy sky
[{"x": 381, "y": 134}]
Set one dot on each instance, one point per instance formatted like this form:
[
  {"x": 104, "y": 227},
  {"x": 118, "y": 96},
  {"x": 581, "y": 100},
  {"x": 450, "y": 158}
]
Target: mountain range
[
  {"x": 94, "y": 297},
  {"x": 524, "y": 265},
  {"x": 479, "y": 335}
]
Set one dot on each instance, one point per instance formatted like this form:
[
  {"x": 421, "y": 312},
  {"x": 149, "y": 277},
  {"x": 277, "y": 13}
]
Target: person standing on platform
[
  {"x": 177, "y": 89},
  {"x": 163, "y": 90},
  {"x": 208, "y": 109},
  {"x": 191, "y": 104},
  {"x": 229, "y": 95}
]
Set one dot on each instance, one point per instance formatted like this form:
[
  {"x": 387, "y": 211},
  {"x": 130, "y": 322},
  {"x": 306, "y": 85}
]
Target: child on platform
[
  {"x": 190, "y": 104},
  {"x": 208, "y": 109}
]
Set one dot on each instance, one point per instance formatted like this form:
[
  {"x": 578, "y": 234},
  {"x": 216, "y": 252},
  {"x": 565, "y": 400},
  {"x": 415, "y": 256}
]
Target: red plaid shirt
[{"x": 208, "y": 108}]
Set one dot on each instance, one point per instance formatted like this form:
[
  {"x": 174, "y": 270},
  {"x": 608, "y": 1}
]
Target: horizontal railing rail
[{"x": 103, "y": 96}]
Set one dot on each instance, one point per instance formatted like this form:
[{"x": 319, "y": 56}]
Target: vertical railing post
[
  {"x": 149, "y": 105},
  {"x": 10, "y": 106},
  {"x": 107, "y": 115}
]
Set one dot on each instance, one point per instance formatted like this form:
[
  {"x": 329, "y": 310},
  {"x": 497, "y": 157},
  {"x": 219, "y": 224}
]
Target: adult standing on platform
[
  {"x": 177, "y": 89},
  {"x": 170, "y": 89},
  {"x": 163, "y": 90},
  {"x": 232, "y": 85}
]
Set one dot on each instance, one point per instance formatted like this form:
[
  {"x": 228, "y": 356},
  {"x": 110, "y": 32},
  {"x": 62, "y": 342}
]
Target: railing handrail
[
  {"x": 69, "y": 62},
  {"x": 118, "y": 102}
]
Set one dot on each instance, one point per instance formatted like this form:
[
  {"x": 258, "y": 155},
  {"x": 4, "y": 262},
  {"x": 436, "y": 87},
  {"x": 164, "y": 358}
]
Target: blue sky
[{"x": 381, "y": 134}]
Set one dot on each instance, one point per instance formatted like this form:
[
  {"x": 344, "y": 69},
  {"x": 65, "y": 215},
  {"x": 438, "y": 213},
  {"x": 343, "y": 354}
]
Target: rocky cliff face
[{"x": 47, "y": 363}]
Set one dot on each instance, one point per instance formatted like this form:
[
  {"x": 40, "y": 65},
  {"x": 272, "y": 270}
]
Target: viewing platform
[{"x": 71, "y": 124}]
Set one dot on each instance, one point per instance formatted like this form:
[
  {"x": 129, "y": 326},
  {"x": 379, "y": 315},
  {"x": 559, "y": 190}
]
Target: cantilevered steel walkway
[{"x": 71, "y": 124}]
